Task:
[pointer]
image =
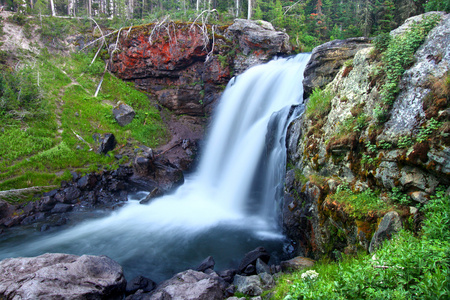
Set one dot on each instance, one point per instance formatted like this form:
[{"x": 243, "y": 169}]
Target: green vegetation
[
  {"x": 399, "y": 55},
  {"x": 319, "y": 103},
  {"x": 408, "y": 266},
  {"x": 56, "y": 93},
  {"x": 359, "y": 205}
]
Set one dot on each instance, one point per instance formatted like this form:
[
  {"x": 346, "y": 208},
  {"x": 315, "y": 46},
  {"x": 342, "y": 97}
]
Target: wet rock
[
  {"x": 189, "y": 285},
  {"x": 140, "y": 283},
  {"x": 156, "y": 192},
  {"x": 297, "y": 263},
  {"x": 33, "y": 219},
  {"x": 251, "y": 257},
  {"x": 207, "y": 263},
  {"x": 46, "y": 203},
  {"x": 123, "y": 114},
  {"x": 107, "y": 143},
  {"x": 327, "y": 59},
  {"x": 61, "y": 208},
  {"x": 70, "y": 195},
  {"x": 389, "y": 225},
  {"x": 88, "y": 181},
  {"x": 248, "y": 285},
  {"x": 61, "y": 276}
]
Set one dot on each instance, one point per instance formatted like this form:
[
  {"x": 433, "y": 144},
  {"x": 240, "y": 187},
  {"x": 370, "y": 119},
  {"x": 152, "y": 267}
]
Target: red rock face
[
  {"x": 176, "y": 64},
  {"x": 169, "y": 63}
]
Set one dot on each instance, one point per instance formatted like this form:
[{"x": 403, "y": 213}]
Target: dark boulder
[
  {"x": 107, "y": 143},
  {"x": 140, "y": 283},
  {"x": 250, "y": 260}
]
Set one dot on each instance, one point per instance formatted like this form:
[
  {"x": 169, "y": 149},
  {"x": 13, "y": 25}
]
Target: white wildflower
[{"x": 310, "y": 274}]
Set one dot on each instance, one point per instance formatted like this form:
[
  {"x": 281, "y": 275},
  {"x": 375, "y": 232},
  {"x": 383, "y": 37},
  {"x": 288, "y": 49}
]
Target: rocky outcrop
[
  {"x": 184, "y": 67},
  {"x": 354, "y": 143},
  {"x": 327, "y": 59},
  {"x": 61, "y": 276}
]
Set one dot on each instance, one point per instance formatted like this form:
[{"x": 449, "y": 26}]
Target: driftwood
[{"x": 19, "y": 192}]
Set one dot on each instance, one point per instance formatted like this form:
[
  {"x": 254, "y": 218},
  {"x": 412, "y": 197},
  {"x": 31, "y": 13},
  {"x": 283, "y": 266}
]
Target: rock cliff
[
  {"x": 186, "y": 66},
  {"x": 355, "y": 143}
]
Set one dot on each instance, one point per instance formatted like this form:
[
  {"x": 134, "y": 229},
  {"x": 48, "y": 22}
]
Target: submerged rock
[{"x": 61, "y": 276}]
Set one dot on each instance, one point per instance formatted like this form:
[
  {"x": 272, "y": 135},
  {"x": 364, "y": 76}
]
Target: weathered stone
[
  {"x": 189, "y": 285},
  {"x": 297, "y": 263},
  {"x": 123, "y": 114},
  {"x": 248, "y": 285},
  {"x": 267, "y": 280},
  {"x": 419, "y": 196},
  {"x": 61, "y": 276},
  {"x": 389, "y": 225}
]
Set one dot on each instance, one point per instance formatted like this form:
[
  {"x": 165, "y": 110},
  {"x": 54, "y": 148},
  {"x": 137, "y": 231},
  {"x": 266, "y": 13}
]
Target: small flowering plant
[{"x": 310, "y": 275}]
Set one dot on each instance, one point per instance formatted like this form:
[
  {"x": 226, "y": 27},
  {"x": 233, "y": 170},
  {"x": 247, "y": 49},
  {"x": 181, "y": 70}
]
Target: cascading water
[{"x": 225, "y": 209}]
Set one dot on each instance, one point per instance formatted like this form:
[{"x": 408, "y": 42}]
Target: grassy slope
[{"x": 41, "y": 150}]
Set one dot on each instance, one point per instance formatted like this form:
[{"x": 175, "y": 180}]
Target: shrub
[{"x": 406, "y": 267}]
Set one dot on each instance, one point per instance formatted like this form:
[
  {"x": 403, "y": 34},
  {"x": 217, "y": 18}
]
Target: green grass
[
  {"x": 34, "y": 153},
  {"x": 319, "y": 103},
  {"x": 406, "y": 267},
  {"x": 359, "y": 205}
]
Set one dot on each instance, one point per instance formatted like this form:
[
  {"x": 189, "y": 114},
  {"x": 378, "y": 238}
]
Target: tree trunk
[
  {"x": 52, "y": 6},
  {"x": 70, "y": 7},
  {"x": 89, "y": 3},
  {"x": 249, "y": 10},
  {"x": 237, "y": 8}
]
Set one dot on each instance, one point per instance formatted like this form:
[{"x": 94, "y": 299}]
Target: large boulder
[{"x": 61, "y": 276}]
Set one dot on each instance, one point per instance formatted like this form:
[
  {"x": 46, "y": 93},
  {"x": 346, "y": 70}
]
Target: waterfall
[{"x": 225, "y": 209}]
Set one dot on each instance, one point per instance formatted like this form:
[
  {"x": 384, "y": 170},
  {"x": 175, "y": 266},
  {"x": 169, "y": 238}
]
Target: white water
[{"x": 225, "y": 209}]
